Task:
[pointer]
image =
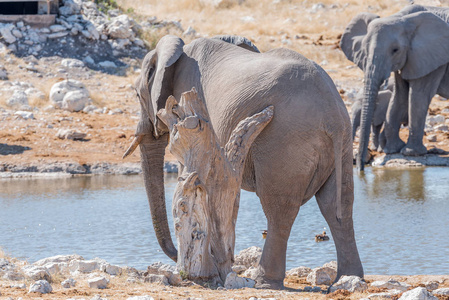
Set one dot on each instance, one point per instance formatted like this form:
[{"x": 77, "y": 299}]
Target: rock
[
  {"x": 434, "y": 120},
  {"x": 107, "y": 64},
  {"x": 57, "y": 28},
  {"x": 82, "y": 266},
  {"x": 349, "y": 283},
  {"x": 418, "y": 293},
  {"x": 19, "y": 97},
  {"x": 189, "y": 32},
  {"x": 441, "y": 127},
  {"x": 391, "y": 285},
  {"x": 250, "y": 273},
  {"x": 58, "y": 35},
  {"x": 58, "y": 259},
  {"x": 115, "y": 111},
  {"x": 40, "y": 286},
  {"x": 146, "y": 297},
  {"x": 72, "y": 63},
  {"x": 248, "y": 257},
  {"x": 61, "y": 96},
  {"x": 98, "y": 283},
  {"x": 299, "y": 272},
  {"x": 69, "y": 8},
  {"x": 235, "y": 282},
  {"x": 17, "y": 33},
  {"x": 6, "y": 33},
  {"x": 3, "y": 74},
  {"x": 89, "y": 108},
  {"x": 221, "y": 3},
  {"x": 432, "y": 285},
  {"x": 160, "y": 279},
  {"x": 238, "y": 269},
  {"x": 68, "y": 283},
  {"x": 442, "y": 291},
  {"x": 21, "y": 286},
  {"x": 112, "y": 270},
  {"x": 78, "y": 265},
  {"x": 168, "y": 271},
  {"x": 36, "y": 272},
  {"x": 75, "y": 101},
  {"x": 24, "y": 114},
  {"x": 384, "y": 295},
  {"x": 432, "y": 138},
  {"x": 120, "y": 27},
  {"x": 322, "y": 275}
]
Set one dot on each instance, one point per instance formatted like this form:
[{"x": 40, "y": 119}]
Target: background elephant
[
  {"x": 380, "y": 114},
  {"x": 306, "y": 149},
  {"x": 414, "y": 44}
]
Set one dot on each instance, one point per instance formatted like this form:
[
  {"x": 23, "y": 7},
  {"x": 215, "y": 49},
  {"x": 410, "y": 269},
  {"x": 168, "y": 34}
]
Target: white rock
[
  {"x": 434, "y": 120},
  {"x": 75, "y": 100},
  {"x": 250, "y": 273},
  {"x": 68, "y": 283},
  {"x": 160, "y": 279},
  {"x": 112, "y": 269},
  {"x": 57, "y": 28},
  {"x": 115, "y": 111},
  {"x": 58, "y": 35},
  {"x": 17, "y": 33},
  {"x": 3, "y": 74},
  {"x": 432, "y": 285},
  {"x": 72, "y": 63},
  {"x": 168, "y": 271},
  {"x": 189, "y": 32},
  {"x": 235, "y": 282},
  {"x": 89, "y": 60},
  {"x": 36, "y": 272},
  {"x": 120, "y": 27},
  {"x": 322, "y": 275},
  {"x": 41, "y": 286},
  {"x": 238, "y": 269},
  {"x": 60, "y": 90},
  {"x": 69, "y": 8},
  {"x": 107, "y": 64},
  {"x": 299, "y": 272},
  {"x": 93, "y": 31},
  {"x": 146, "y": 297},
  {"x": 441, "y": 127},
  {"x": 6, "y": 33},
  {"x": 391, "y": 285},
  {"x": 98, "y": 283},
  {"x": 248, "y": 257},
  {"x": 19, "y": 97},
  {"x": 58, "y": 259},
  {"x": 418, "y": 293},
  {"x": 21, "y": 286},
  {"x": 384, "y": 295},
  {"x": 442, "y": 291},
  {"x": 82, "y": 266},
  {"x": 24, "y": 114},
  {"x": 349, "y": 283},
  {"x": 89, "y": 108},
  {"x": 432, "y": 137}
]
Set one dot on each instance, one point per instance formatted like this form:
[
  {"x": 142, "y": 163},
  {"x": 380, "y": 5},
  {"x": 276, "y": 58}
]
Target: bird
[
  {"x": 321, "y": 237},
  {"x": 264, "y": 234}
]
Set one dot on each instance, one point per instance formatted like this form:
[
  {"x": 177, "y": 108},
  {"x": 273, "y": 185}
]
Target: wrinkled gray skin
[
  {"x": 414, "y": 44},
  {"x": 306, "y": 150},
  {"x": 380, "y": 114}
]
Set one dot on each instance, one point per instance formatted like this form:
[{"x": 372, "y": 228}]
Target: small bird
[
  {"x": 321, "y": 237},
  {"x": 264, "y": 234}
]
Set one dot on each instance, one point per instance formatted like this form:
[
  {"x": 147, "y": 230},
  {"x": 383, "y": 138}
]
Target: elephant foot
[
  {"x": 393, "y": 147},
  {"x": 414, "y": 151},
  {"x": 269, "y": 284}
]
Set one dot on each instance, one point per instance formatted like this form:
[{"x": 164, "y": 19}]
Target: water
[{"x": 400, "y": 219}]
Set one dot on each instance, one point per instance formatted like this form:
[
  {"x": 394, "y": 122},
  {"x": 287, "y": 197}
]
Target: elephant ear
[
  {"x": 159, "y": 75},
  {"x": 429, "y": 44},
  {"x": 351, "y": 40},
  {"x": 238, "y": 41}
]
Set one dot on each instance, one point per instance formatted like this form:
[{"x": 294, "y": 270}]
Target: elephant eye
[{"x": 395, "y": 50}]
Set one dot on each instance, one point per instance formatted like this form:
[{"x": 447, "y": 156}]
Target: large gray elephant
[
  {"x": 414, "y": 44},
  {"x": 306, "y": 150}
]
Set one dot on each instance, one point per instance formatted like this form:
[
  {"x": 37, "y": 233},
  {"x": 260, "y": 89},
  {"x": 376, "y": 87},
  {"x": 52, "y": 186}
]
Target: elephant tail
[{"x": 338, "y": 156}]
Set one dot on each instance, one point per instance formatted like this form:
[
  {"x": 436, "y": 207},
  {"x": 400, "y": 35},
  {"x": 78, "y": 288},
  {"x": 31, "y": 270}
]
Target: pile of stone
[{"x": 18, "y": 94}]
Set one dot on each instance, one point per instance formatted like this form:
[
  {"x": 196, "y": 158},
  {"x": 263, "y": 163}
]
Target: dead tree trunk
[{"x": 207, "y": 196}]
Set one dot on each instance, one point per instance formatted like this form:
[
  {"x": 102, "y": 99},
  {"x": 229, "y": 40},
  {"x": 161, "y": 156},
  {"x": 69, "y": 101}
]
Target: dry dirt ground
[{"x": 119, "y": 288}]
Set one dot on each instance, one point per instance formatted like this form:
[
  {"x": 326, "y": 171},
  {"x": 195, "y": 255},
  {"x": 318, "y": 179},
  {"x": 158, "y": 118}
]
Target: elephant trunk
[
  {"x": 373, "y": 81},
  {"x": 152, "y": 157}
]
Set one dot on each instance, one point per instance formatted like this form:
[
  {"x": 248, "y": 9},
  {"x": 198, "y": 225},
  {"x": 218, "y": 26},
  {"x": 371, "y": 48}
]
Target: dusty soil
[{"x": 119, "y": 288}]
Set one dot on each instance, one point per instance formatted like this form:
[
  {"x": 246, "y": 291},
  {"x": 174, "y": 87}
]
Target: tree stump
[{"x": 207, "y": 195}]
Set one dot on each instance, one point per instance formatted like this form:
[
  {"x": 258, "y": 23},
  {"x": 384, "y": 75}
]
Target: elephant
[
  {"x": 305, "y": 150},
  {"x": 414, "y": 44},
  {"x": 380, "y": 114}
]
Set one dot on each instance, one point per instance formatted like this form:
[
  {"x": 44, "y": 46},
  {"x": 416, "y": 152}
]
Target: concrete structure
[{"x": 32, "y": 12}]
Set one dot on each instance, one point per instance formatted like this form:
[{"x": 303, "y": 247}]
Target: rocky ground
[{"x": 73, "y": 277}]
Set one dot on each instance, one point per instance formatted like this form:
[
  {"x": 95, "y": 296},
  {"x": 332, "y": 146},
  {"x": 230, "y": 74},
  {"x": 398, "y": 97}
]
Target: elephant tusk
[{"x": 136, "y": 141}]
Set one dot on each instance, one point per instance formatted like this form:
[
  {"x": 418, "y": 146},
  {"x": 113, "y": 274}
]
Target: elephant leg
[
  {"x": 397, "y": 108},
  {"x": 281, "y": 212},
  {"x": 376, "y": 136},
  {"x": 348, "y": 260},
  {"x": 421, "y": 92},
  {"x": 382, "y": 139}
]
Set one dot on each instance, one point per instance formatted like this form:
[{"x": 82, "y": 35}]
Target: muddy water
[{"x": 401, "y": 221}]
